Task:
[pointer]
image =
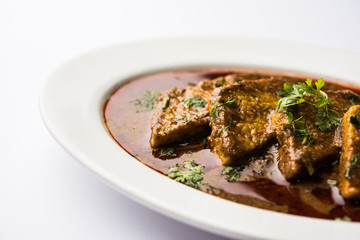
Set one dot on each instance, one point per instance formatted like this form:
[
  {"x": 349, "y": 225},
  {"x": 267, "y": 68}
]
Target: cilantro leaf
[
  {"x": 148, "y": 101},
  {"x": 214, "y": 111},
  {"x": 192, "y": 177},
  {"x": 183, "y": 118},
  {"x": 351, "y": 100},
  {"x": 221, "y": 83},
  {"x": 351, "y": 166},
  {"x": 167, "y": 152},
  {"x": 325, "y": 118},
  {"x": 299, "y": 129},
  {"x": 225, "y": 128},
  {"x": 266, "y": 107},
  {"x": 194, "y": 101},
  {"x": 354, "y": 120},
  {"x": 294, "y": 95},
  {"x": 233, "y": 173}
]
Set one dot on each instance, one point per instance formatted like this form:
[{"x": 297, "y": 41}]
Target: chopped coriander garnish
[
  {"x": 167, "y": 152},
  {"x": 191, "y": 177},
  {"x": 281, "y": 93},
  {"x": 351, "y": 100},
  {"x": 221, "y": 83},
  {"x": 225, "y": 128},
  {"x": 294, "y": 95},
  {"x": 354, "y": 120},
  {"x": 233, "y": 173},
  {"x": 166, "y": 102},
  {"x": 182, "y": 118},
  {"x": 214, "y": 112},
  {"x": 194, "y": 101},
  {"x": 343, "y": 219},
  {"x": 266, "y": 107},
  {"x": 148, "y": 101},
  {"x": 300, "y": 131},
  {"x": 351, "y": 166},
  {"x": 325, "y": 118}
]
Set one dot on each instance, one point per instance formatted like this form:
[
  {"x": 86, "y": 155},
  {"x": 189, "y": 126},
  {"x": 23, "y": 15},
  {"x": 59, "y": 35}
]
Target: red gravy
[{"x": 260, "y": 185}]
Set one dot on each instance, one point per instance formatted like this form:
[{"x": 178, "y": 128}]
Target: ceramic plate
[{"x": 73, "y": 97}]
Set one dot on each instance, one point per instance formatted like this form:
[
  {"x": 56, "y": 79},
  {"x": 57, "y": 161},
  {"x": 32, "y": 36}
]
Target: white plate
[{"x": 72, "y": 100}]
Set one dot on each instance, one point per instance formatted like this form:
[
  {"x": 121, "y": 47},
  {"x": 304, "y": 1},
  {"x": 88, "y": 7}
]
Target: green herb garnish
[
  {"x": 214, "y": 111},
  {"x": 194, "y": 101},
  {"x": 167, "y": 152},
  {"x": 182, "y": 118},
  {"x": 221, "y": 83},
  {"x": 351, "y": 100},
  {"x": 281, "y": 93},
  {"x": 148, "y": 101},
  {"x": 294, "y": 95},
  {"x": 233, "y": 173},
  {"x": 351, "y": 166},
  {"x": 325, "y": 118},
  {"x": 354, "y": 120},
  {"x": 266, "y": 107},
  {"x": 191, "y": 177},
  {"x": 166, "y": 102},
  {"x": 300, "y": 131},
  {"x": 225, "y": 128}
]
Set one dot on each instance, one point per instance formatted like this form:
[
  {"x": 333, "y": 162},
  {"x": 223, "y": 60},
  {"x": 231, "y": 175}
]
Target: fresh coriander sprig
[
  {"x": 325, "y": 118},
  {"x": 295, "y": 94},
  {"x": 192, "y": 177}
]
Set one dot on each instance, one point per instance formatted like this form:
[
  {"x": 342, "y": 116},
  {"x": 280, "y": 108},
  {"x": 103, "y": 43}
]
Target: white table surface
[{"x": 44, "y": 192}]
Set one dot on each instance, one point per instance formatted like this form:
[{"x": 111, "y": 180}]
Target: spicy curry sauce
[{"x": 260, "y": 184}]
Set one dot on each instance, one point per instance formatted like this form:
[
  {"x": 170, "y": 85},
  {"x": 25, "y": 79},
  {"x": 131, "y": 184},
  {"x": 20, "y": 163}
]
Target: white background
[{"x": 44, "y": 193}]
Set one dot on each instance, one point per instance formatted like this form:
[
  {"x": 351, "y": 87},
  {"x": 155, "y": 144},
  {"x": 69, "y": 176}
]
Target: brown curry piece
[
  {"x": 240, "y": 110},
  {"x": 349, "y": 170}
]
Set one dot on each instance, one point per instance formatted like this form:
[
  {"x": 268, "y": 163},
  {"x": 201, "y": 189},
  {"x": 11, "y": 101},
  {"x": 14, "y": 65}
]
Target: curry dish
[{"x": 274, "y": 141}]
